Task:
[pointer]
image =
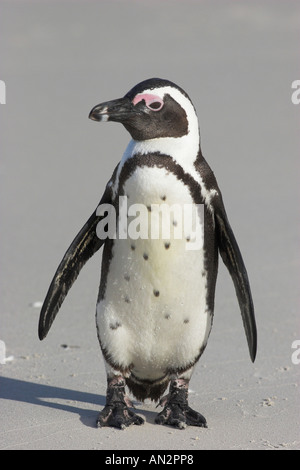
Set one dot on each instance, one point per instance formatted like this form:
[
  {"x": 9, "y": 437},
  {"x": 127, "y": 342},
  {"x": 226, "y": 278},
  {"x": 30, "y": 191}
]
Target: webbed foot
[
  {"x": 116, "y": 412},
  {"x": 176, "y": 411}
]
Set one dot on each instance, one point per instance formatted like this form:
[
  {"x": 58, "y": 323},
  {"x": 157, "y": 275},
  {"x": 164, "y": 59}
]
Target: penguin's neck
[{"x": 183, "y": 150}]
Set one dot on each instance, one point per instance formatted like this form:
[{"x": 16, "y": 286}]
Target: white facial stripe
[
  {"x": 184, "y": 150},
  {"x": 184, "y": 102}
]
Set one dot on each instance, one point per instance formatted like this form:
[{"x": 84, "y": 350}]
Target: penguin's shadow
[{"x": 51, "y": 397}]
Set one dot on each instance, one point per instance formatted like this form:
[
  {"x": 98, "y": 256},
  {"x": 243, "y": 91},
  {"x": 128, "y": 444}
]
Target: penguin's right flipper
[{"x": 84, "y": 245}]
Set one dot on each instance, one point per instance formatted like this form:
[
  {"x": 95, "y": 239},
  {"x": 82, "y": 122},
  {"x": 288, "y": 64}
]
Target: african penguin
[{"x": 159, "y": 267}]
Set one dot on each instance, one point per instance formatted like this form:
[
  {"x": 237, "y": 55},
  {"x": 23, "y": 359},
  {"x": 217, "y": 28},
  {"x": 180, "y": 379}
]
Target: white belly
[{"x": 153, "y": 316}]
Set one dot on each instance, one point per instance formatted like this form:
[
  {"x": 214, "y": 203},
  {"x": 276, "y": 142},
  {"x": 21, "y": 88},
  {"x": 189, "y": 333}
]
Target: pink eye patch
[{"x": 153, "y": 102}]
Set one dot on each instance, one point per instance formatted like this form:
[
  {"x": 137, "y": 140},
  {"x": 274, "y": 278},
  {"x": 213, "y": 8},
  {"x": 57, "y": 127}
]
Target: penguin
[{"x": 155, "y": 304}]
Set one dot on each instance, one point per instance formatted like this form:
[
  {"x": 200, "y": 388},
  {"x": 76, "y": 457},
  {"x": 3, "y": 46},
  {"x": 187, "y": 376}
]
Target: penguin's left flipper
[
  {"x": 232, "y": 258},
  {"x": 85, "y": 244}
]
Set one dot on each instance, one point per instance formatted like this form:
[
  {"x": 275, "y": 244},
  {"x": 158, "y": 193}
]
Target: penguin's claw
[
  {"x": 176, "y": 411},
  {"x": 118, "y": 416},
  {"x": 116, "y": 412},
  {"x": 180, "y": 416}
]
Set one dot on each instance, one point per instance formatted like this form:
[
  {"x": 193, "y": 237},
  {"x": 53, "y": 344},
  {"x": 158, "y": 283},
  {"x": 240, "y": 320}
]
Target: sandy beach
[{"x": 237, "y": 60}]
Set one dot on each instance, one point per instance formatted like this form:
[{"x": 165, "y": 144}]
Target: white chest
[{"x": 154, "y": 312}]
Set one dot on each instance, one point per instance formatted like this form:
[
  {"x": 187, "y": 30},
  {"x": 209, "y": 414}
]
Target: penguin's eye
[
  {"x": 155, "y": 105},
  {"x": 152, "y": 102}
]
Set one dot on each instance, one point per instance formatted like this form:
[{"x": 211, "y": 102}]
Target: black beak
[{"x": 116, "y": 110}]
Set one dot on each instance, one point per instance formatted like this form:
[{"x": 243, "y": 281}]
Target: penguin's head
[{"x": 155, "y": 108}]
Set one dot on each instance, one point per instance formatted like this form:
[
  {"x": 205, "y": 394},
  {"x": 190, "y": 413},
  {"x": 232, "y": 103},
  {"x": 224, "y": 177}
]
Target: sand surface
[{"x": 237, "y": 60}]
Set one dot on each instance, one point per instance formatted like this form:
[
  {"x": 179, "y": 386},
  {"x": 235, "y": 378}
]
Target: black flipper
[
  {"x": 84, "y": 245},
  {"x": 233, "y": 260}
]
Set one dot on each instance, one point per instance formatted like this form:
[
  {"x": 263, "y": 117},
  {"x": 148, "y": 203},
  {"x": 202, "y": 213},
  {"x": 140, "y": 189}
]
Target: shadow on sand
[{"x": 49, "y": 396}]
